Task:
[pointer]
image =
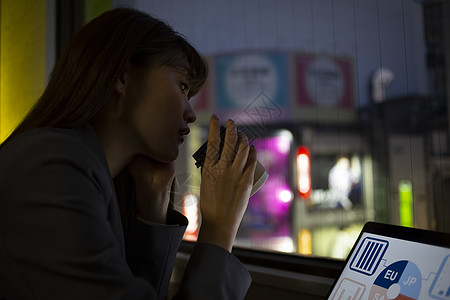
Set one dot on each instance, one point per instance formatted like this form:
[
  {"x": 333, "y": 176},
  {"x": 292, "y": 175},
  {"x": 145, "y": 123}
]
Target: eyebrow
[{"x": 184, "y": 72}]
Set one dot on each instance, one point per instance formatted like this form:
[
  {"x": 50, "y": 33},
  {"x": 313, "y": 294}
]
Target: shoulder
[
  {"x": 42, "y": 143},
  {"x": 43, "y": 147},
  {"x": 49, "y": 139},
  {"x": 59, "y": 161}
]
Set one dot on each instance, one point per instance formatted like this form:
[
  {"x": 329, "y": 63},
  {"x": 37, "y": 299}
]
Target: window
[{"x": 361, "y": 85}]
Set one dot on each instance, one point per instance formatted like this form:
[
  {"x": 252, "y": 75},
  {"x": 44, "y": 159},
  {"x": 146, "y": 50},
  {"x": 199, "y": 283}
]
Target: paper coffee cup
[
  {"x": 260, "y": 175},
  {"x": 259, "y": 178}
]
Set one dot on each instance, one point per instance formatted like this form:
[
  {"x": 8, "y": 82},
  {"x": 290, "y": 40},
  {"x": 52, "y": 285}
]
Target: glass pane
[{"x": 361, "y": 86}]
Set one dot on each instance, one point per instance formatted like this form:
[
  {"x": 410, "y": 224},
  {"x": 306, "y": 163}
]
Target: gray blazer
[{"x": 61, "y": 235}]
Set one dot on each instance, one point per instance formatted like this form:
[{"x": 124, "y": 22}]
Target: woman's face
[{"x": 157, "y": 112}]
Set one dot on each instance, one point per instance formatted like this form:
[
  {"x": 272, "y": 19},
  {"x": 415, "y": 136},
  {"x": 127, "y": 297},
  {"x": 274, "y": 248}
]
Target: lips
[
  {"x": 184, "y": 131},
  {"x": 181, "y": 133}
]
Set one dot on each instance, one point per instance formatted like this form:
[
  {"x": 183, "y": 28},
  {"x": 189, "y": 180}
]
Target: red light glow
[{"x": 303, "y": 172}]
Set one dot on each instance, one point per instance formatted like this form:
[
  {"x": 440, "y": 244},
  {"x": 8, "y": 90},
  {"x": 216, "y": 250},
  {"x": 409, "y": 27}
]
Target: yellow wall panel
[{"x": 22, "y": 59}]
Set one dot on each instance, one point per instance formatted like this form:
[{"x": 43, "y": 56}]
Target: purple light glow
[
  {"x": 283, "y": 144},
  {"x": 284, "y": 195},
  {"x": 269, "y": 209}
]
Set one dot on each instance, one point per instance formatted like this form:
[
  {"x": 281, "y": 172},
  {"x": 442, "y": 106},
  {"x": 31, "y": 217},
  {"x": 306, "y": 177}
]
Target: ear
[
  {"x": 122, "y": 81},
  {"x": 121, "y": 85}
]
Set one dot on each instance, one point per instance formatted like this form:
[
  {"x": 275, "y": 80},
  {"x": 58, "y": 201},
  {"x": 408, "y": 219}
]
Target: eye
[{"x": 184, "y": 88}]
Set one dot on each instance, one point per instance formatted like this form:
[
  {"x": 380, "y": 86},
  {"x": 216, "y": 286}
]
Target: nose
[{"x": 189, "y": 114}]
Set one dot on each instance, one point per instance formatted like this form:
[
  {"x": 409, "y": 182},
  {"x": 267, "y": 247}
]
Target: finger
[
  {"x": 250, "y": 165},
  {"x": 229, "y": 147},
  {"x": 213, "y": 147},
  {"x": 243, "y": 150}
]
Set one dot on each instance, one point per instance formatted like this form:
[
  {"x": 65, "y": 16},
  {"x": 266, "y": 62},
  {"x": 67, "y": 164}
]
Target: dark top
[{"x": 61, "y": 234}]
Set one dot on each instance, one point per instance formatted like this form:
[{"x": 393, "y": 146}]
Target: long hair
[{"x": 83, "y": 79}]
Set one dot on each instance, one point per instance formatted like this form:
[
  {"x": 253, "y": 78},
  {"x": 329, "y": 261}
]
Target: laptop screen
[{"x": 393, "y": 262}]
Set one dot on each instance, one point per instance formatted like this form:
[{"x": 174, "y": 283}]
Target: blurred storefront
[{"x": 332, "y": 165}]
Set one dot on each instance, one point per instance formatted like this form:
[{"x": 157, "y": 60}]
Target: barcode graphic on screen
[{"x": 369, "y": 255}]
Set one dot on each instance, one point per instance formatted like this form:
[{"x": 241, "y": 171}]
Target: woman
[{"x": 116, "y": 106}]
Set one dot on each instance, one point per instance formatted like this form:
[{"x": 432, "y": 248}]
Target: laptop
[{"x": 394, "y": 262}]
